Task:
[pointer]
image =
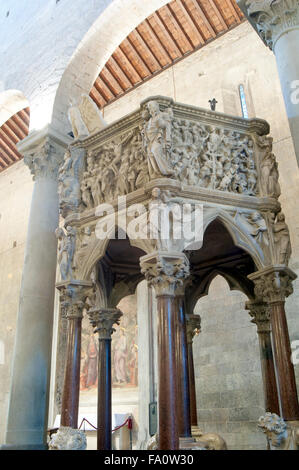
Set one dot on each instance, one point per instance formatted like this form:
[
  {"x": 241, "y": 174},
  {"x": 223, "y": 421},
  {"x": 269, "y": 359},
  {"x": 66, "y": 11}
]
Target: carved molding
[
  {"x": 260, "y": 314},
  {"x": 272, "y": 18},
  {"x": 165, "y": 271},
  {"x": 103, "y": 319},
  {"x": 193, "y": 326},
  {"x": 273, "y": 284}
]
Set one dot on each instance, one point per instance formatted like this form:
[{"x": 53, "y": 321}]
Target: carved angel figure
[
  {"x": 157, "y": 140},
  {"x": 85, "y": 117},
  {"x": 66, "y": 251}
]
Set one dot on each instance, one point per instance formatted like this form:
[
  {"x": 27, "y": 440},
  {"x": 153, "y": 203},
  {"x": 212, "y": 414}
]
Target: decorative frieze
[
  {"x": 166, "y": 272},
  {"x": 272, "y": 18}
]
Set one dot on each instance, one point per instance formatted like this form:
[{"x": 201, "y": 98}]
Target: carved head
[
  {"x": 274, "y": 427},
  {"x": 153, "y": 107},
  {"x": 280, "y": 217},
  {"x": 156, "y": 192}
]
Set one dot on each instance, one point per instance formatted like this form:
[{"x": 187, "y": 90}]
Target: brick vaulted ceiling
[
  {"x": 11, "y": 132},
  {"x": 165, "y": 37}
]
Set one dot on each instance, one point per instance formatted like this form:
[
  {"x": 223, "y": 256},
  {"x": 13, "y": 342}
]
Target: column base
[{"x": 23, "y": 447}]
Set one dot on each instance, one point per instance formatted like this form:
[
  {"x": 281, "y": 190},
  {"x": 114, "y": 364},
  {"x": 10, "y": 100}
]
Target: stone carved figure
[
  {"x": 282, "y": 240},
  {"x": 269, "y": 169},
  {"x": 281, "y": 436},
  {"x": 85, "y": 117},
  {"x": 68, "y": 439},
  {"x": 69, "y": 177},
  {"x": 66, "y": 251},
  {"x": 157, "y": 140}
]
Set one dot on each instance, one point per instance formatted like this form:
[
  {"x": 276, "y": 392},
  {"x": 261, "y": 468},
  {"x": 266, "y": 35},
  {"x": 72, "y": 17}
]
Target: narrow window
[{"x": 243, "y": 102}]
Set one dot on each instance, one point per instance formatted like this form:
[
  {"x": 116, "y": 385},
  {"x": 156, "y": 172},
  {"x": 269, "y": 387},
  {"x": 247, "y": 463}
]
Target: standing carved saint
[
  {"x": 66, "y": 251},
  {"x": 157, "y": 140},
  {"x": 282, "y": 240}
]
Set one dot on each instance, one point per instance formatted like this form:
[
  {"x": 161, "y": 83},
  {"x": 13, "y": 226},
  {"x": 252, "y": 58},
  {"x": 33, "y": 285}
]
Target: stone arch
[
  {"x": 241, "y": 239},
  {"x": 11, "y": 102},
  {"x": 120, "y": 17}
]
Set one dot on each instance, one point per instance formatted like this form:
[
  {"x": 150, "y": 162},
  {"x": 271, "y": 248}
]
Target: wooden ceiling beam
[
  {"x": 24, "y": 116},
  {"x": 16, "y": 129},
  {"x": 178, "y": 27},
  {"x": 203, "y": 17},
  {"x": 155, "y": 38},
  {"x": 126, "y": 66},
  {"x": 137, "y": 60},
  {"x": 20, "y": 123},
  {"x": 7, "y": 153},
  {"x": 107, "y": 77},
  {"x": 191, "y": 23},
  {"x": 118, "y": 74},
  {"x": 103, "y": 89},
  {"x": 219, "y": 14},
  {"x": 168, "y": 38},
  {"x": 3, "y": 161},
  {"x": 10, "y": 133},
  {"x": 5, "y": 138},
  {"x": 234, "y": 10},
  {"x": 97, "y": 98},
  {"x": 135, "y": 35}
]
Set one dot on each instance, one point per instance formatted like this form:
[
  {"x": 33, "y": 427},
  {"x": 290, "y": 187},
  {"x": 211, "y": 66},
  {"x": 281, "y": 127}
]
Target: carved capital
[
  {"x": 271, "y": 18},
  {"x": 103, "y": 319},
  {"x": 166, "y": 272},
  {"x": 273, "y": 284},
  {"x": 73, "y": 296},
  {"x": 43, "y": 152},
  {"x": 260, "y": 314},
  {"x": 193, "y": 327}
]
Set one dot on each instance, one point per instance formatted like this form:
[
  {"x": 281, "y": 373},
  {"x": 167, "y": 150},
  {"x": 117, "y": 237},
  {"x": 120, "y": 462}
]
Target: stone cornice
[
  {"x": 271, "y": 18},
  {"x": 180, "y": 111}
]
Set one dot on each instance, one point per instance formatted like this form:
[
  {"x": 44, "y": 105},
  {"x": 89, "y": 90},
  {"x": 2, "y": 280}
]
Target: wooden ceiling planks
[
  {"x": 174, "y": 31},
  {"x": 11, "y": 132}
]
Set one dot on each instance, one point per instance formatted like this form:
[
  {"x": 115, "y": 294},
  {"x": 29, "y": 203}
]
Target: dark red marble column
[
  {"x": 182, "y": 370},
  {"x": 168, "y": 395},
  {"x": 103, "y": 319},
  {"x": 260, "y": 313},
  {"x": 71, "y": 388},
  {"x": 193, "y": 324},
  {"x": 284, "y": 366}
]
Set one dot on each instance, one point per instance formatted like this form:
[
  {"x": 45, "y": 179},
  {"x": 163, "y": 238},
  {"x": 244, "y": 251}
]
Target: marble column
[
  {"x": 260, "y": 313},
  {"x": 73, "y": 297},
  {"x": 29, "y": 393},
  {"x": 182, "y": 369},
  {"x": 193, "y": 323},
  {"x": 166, "y": 271},
  {"x": 277, "y": 23},
  {"x": 103, "y": 319},
  {"x": 273, "y": 285}
]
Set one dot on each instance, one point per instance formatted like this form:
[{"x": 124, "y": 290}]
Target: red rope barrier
[{"x": 128, "y": 421}]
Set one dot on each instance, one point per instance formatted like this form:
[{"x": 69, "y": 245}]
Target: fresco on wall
[{"x": 124, "y": 350}]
